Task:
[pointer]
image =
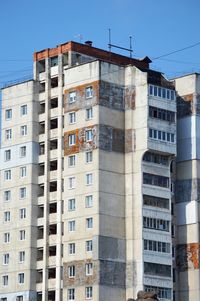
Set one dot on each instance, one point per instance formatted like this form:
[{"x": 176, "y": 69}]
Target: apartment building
[{"x": 87, "y": 179}]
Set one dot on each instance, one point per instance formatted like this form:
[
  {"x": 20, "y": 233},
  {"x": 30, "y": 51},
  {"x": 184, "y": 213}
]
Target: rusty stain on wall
[
  {"x": 188, "y": 257},
  {"x": 130, "y": 96}
]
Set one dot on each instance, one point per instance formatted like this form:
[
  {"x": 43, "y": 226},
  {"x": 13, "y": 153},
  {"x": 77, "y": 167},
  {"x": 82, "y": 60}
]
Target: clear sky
[{"x": 157, "y": 27}]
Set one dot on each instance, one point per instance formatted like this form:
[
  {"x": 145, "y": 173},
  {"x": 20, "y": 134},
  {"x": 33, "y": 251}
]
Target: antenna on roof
[{"x": 110, "y": 45}]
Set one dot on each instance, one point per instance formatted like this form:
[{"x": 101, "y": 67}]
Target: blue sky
[{"x": 157, "y": 27}]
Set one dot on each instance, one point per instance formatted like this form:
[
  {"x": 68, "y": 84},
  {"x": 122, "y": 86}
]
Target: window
[
  {"x": 163, "y": 292},
  {"x": 71, "y": 226},
  {"x": 71, "y": 294},
  {"x": 155, "y": 269},
  {"x": 88, "y": 292},
  {"x": 5, "y": 280},
  {"x": 156, "y": 224},
  {"x": 89, "y": 178},
  {"x": 89, "y": 223},
  {"x": 22, "y": 171},
  {"x": 22, "y": 235},
  {"x": 89, "y": 92},
  {"x": 88, "y": 135},
  {"x": 72, "y": 139},
  {"x": 54, "y": 61},
  {"x": 22, "y": 213},
  {"x": 162, "y": 136},
  {"x": 21, "y": 278},
  {"x": 71, "y": 204},
  {"x": 162, "y": 114},
  {"x": 19, "y": 298},
  {"x": 89, "y": 245},
  {"x": 88, "y": 201},
  {"x": 88, "y": 269},
  {"x": 72, "y": 96},
  {"x": 71, "y": 271},
  {"x": 151, "y": 179},
  {"x": 71, "y": 161},
  {"x": 6, "y": 237},
  {"x": 8, "y": 134},
  {"x": 72, "y": 117},
  {"x": 71, "y": 183},
  {"x": 23, "y": 151},
  {"x": 156, "y": 246},
  {"x": 89, "y": 157},
  {"x": 71, "y": 248},
  {"x": 7, "y": 155},
  {"x": 7, "y": 216},
  {"x": 22, "y": 192},
  {"x": 21, "y": 256},
  {"x": 8, "y": 114},
  {"x": 156, "y": 202},
  {"x": 155, "y": 158},
  {"x": 4, "y": 299},
  {"x": 7, "y": 195},
  {"x": 89, "y": 113},
  {"x": 23, "y": 110},
  {"x": 7, "y": 175},
  {"x": 6, "y": 259},
  {"x": 166, "y": 93},
  {"x": 23, "y": 130}
]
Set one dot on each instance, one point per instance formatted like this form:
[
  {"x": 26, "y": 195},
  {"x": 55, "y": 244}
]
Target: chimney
[{"x": 89, "y": 43}]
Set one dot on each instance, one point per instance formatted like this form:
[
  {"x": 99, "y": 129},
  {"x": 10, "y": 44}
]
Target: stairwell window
[
  {"x": 8, "y": 134},
  {"x": 72, "y": 139},
  {"x": 23, "y": 110},
  {"x": 8, "y": 114},
  {"x": 72, "y": 96},
  {"x": 89, "y": 92},
  {"x": 23, "y": 151},
  {"x": 88, "y": 135}
]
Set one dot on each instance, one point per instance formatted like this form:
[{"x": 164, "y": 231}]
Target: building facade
[{"x": 87, "y": 179}]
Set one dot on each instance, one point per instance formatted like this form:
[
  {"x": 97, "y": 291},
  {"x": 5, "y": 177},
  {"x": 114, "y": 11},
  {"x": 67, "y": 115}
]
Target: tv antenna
[{"x": 110, "y": 45}]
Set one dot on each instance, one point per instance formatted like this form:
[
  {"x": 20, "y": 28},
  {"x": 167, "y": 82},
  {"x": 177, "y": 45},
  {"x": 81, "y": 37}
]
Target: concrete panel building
[{"x": 87, "y": 179}]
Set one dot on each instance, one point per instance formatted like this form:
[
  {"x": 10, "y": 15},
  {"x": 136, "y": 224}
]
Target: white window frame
[
  {"x": 7, "y": 216},
  {"x": 23, "y": 110},
  {"x": 72, "y": 117},
  {"x": 89, "y": 113},
  {"x": 72, "y": 139},
  {"x": 71, "y": 226},
  {"x": 89, "y": 201},
  {"x": 72, "y": 204},
  {"x": 22, "y": 213},
  {"x": 89, "y": 223},
  {"x": 71, "y": 183},
  {"x": 71, "y": 271},
  {"x": 6, "y": 258},
  {"x": 8, "y": 134},
  {"x": 22, "y": 234},
  {"x": 71, "y": 160},
  {"x": 71, "y": 294},
  {"x": 7, "y": 175},
  {"x": 6, "y": 237},
  {"x": 7, "y": 195},
  {"x": 21, "y": 278},
  {"x": 88, "y": 135},
  {"x": 22, "y": 192},
  {"x": 89, "y": 245},
  {"x": 72, "y": 248},
  {"x": 8, "y": 114},
  {"x": 23, "y": 130},
  {"x": 88, "y": 292},
  {"x": 22, "y": 171},
  {"x": 89, "y": 157},
  {"x": 22, "y": 151},
  {"x": 21, "y": 256},
  {"x": 89, "y": 179},
  {"x": 89, "y": 269},
  {"x": 5, "y": 280},
  {"x": 7, "y": 155},
  {"x": 72, "y": 96},
  {"x": 89, "y": 92}
]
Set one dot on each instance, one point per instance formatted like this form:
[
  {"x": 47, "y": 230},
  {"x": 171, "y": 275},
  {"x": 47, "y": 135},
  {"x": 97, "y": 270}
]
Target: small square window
[
  {"x": 7, "y": 155},
  {"x": 88, "y": 201},
  {"x": 23, "y": 151},
  {"x": 71, "y": 204},
  {"x": 72, "y": 117},
  {"x": 21, "y": 278},
  {"x": 23, "y": 110},
  {"x": 71, "y": 161},
  {"x": 89, "y": 223},
  {"x": 89, "y": 178},
  {"x": 8, "y": 134},
  {"x": 89, "y": 92},
  {"x": 89, "y": 245},
  {"x": 7, "y": 195},
  {"x": 89, "y": 157},
  {"x": 72, "y": 248},
  {"x": 71, "y": 271},
  {"x": 72, "y": 96},
  {"x": 8, "y": 114},
  {"x": 89, "y": 113},
  {"x": 72, "y": 139}
]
